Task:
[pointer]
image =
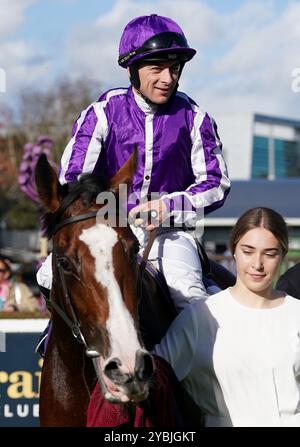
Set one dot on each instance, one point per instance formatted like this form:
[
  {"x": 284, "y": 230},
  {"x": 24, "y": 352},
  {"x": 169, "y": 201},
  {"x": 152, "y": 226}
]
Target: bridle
[{"x": 72, "y": 322}]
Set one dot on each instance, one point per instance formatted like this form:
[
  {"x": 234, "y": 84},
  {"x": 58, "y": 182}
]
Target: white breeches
[{"x": 174, "y": 253}]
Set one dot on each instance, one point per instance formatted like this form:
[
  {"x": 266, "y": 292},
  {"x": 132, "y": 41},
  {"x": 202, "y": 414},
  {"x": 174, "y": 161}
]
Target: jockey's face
[
  {"x": 258, "y": 256},
  {"x": 158, "y": 80}
]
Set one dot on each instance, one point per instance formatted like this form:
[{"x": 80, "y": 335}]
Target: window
[
  {"x": 286, "y": 157},
  {"x": 260, "y": 157}
]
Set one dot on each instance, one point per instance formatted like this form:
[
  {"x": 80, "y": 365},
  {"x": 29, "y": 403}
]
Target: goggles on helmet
[{"x": 161, "y": 41}]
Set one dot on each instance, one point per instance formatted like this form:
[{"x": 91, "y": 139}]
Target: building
[
  {"x": 281, "y": 195},
  {"x": 263, "y": 157},
  {"x": 260, "y": 146}
]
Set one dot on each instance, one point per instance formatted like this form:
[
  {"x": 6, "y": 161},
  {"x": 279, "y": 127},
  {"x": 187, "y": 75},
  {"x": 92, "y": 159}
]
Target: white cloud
[
  {"x": 254, "y": 74},
  {"x": 244, "y": 58},
  {"x": 12, "y": 15},
  {"x": 22, "y": 66},
  {"x": 96, "y": 49},
  {"x": 23, "y": 62}
]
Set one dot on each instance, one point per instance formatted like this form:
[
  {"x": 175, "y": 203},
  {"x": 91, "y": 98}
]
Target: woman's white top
[{"x": 241, "y": 365}]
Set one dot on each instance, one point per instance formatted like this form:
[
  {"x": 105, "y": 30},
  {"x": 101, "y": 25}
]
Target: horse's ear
[
  {"x": 47, "y": 184},
  {"x": 125, "y": 173}
]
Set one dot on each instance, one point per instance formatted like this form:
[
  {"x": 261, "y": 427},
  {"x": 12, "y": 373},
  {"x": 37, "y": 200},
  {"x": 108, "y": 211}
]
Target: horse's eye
[{"x": 65, "y": 264}]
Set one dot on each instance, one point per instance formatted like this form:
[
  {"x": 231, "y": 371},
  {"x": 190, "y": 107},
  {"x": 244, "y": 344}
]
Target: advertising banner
[{"x": 20, "y": 374}]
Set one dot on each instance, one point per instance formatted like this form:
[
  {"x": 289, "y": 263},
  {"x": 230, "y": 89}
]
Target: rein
[{"x": 73, "y": 219}]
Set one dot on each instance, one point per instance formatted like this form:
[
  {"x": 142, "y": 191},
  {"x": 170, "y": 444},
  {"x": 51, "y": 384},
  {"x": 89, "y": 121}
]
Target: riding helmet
[{"x": 152, "y": 38}]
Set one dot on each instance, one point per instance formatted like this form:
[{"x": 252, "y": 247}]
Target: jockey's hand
[{"x": 140, "y": 215}]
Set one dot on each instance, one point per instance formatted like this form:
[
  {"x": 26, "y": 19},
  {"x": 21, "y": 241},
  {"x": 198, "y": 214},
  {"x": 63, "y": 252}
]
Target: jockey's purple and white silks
[
  {"x": 179, "y": 155},
  {"x": 179, "y": 152}
]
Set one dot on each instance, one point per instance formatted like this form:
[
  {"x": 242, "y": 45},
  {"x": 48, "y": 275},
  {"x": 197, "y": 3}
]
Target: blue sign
[{"x": 20, "y": 375}]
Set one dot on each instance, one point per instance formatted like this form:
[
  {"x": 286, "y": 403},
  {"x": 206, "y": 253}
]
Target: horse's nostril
[
  {"x": 113, "y": 372},
  {"x": 144, "y": 368},
  {"x": 112, "y": 365}
]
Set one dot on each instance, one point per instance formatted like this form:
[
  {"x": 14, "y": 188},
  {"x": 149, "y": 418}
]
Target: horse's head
[{"x": 94, "y": 280}]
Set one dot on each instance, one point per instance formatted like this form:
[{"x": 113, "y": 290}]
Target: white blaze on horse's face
[{"x": 124, "y": 343}]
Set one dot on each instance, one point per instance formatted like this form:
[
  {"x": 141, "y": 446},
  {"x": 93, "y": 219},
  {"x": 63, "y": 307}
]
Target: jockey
[{"x": 181, "y": 173}]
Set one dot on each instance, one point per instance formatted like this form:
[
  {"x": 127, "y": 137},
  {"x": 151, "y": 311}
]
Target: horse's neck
[
  {"x": 65, "y": 387},
  {"x": 65, "y": 342},
  {"x": 74, "y": 378},
  {"x": 70, "y": 352}
]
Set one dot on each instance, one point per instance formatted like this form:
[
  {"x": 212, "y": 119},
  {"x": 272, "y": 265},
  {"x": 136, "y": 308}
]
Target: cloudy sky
[{"x": 247, "y": 50}]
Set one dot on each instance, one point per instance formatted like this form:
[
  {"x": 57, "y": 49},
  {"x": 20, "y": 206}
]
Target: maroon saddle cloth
[{"x": 162, "y": 408}]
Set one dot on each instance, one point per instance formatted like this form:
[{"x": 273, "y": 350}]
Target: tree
[
  {"x": 50, "y": 112},
  {"x": 53, "y": 112}
]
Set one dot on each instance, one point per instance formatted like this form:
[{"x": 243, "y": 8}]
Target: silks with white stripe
[{"x": 179, "y": 151}]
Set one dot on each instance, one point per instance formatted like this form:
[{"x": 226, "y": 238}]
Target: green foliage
[
  {"x": 21, "y": 215},
  {"x": 4, "y": 202}
]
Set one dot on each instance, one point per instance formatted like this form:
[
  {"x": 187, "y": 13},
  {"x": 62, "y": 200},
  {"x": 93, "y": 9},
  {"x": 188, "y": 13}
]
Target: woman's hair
[
  {"x": 261, "y": 217},
  {"x": 6, "y": 264}
]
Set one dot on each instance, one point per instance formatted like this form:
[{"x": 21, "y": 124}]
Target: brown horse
[
  {"x": 102, "y": 325},
  {"x": 94, "y": 303}
]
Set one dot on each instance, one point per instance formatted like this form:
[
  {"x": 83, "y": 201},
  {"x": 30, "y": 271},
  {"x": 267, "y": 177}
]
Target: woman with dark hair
[
  {"x": 238, "y": 352},
  {"x": 14, "y": 295}
]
